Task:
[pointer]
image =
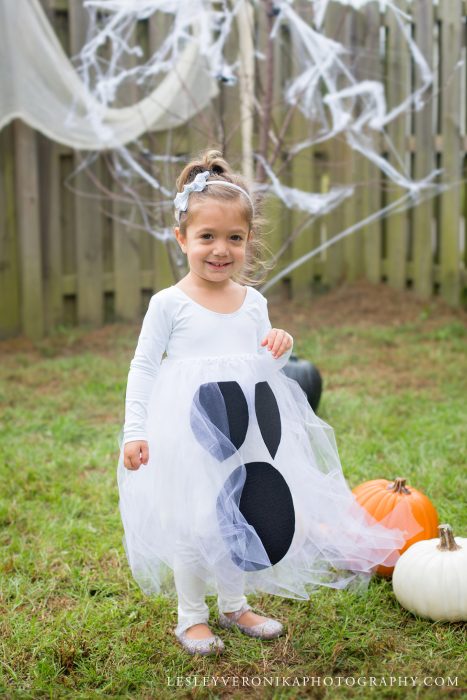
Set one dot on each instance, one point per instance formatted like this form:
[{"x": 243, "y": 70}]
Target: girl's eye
[{"x": 234, "y": 237}]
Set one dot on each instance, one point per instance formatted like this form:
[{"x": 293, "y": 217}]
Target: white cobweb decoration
[{"x": 352, "y": 109}]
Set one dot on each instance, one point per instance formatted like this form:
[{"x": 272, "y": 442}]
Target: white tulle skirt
[{"x": 245, "y": 482}]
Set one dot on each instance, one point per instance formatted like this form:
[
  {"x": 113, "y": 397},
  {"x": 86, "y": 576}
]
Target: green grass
[{"x": 73, "y": 622}]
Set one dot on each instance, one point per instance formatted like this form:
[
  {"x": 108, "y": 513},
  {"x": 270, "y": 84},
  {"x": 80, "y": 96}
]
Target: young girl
[{"x": 229, "y": 483}]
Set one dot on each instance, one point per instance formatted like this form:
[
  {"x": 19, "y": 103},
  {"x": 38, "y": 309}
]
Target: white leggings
[{"x": 191, "y": 590}]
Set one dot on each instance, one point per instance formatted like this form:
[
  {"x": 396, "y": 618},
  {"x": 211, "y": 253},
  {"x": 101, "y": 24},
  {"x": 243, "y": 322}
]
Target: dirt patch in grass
[
  {"x": 70, "y": 341},
  {"x": 363, "y": 304},
  {"x": 386, "y": 378},
  {"x": 59, "y": 603}
]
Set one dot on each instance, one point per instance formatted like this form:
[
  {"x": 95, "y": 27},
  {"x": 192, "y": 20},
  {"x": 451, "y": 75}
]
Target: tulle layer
[{"x": 244, "y": 484}]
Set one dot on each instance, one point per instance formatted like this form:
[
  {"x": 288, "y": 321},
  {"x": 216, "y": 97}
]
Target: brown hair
[{"x": 255, "y": 268}]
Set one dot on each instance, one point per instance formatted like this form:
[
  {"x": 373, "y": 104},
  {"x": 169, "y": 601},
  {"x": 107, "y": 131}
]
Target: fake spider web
[{"x": 324, "y": 86}]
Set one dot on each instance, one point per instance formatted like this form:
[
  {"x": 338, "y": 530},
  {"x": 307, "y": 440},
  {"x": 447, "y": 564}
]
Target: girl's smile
[{"x": 218, "y": 265}]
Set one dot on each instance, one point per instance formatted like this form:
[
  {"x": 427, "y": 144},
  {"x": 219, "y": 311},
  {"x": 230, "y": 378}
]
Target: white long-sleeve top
[{"x": 177, "y": 325}]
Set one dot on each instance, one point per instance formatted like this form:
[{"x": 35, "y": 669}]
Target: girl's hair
[{"x": 256, "y": 267}]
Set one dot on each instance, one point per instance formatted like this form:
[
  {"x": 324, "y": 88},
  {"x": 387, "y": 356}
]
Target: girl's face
[{"x": 216, "y": 240}]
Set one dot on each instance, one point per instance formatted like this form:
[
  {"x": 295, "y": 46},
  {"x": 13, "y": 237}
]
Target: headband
[{"x": 198, "y": 185}]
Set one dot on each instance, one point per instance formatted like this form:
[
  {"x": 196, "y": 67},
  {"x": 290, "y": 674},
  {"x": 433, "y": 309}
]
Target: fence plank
[
  {"x": 166, "y": 263},
  {"x": 66, "y": 257},
  {"x": 355, "y": 171},
  {"x": 305, "y": 176},
  {"x": 27, "y": 204},
  {"x": 90, "y": 306},
  {"x": 126, "y": 239},
  {"x": 451, "y": 28},
  {"x": 228, "y": 125},
  {"x": 278, "y": 219},
  {"x": 67, "y": 216},
  {"x": 146, "y": 241},
  {"x": 424, "y": 161},
  {"x": 246, "y": 86},
  {"x": 368, "y": 176},
  {"x": 337, "y": 27},
  {"x": 398, "y": 86},
  {"x": 175, "y": 143},
  {"x": 127, "y": 265},
  {"x": 49, "y": 193},
  {"x": 10, "y": 319}
]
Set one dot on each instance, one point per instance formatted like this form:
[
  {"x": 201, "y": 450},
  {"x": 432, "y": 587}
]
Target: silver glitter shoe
[
  {"x": 264, "y": 630},
  {"x": 209, "y": 645}
]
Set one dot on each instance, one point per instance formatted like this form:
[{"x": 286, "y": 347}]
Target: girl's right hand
[{"x": 135, "y": 454}]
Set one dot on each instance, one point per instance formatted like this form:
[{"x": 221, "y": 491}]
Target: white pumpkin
[{"x": 430, "y": 578}]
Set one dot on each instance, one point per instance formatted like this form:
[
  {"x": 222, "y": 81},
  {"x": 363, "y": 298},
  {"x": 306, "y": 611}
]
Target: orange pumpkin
[{"x": 380, "y": 497}]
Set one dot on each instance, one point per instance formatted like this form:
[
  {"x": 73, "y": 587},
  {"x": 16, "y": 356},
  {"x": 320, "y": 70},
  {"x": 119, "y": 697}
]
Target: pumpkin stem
[
  {"x": 399, "y": 486},
  {"x": 447, "y": 543}
]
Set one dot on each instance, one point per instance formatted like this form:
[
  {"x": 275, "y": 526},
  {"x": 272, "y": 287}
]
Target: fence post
[
  {"x": 368, "y": 190},
  {"x": 398, "y": 87},
  {"x": 49, "y": 192},
  {"x": 10, "y": 321},
  {"x": 278, "y": 217},
  {"x": 305, "y": 174},
  {"x": 88, "y": 218},
  {"x": 50, "y": 212},
  {"x": 451, "y": 44},
  {"x": 355, "y": 167},
  {"x": 30, "y": 252},
  {"x": 127, "y": 259},
  {"x": 424, "y": 160},
  {"x": 159, "y": 27},
  {"x": 336, "y": 24}
]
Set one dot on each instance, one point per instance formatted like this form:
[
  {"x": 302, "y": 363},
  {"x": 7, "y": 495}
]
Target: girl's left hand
[{"x": 278, "y": 342}]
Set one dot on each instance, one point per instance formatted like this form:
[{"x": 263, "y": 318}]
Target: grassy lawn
[{"x": 72, "y": 621}]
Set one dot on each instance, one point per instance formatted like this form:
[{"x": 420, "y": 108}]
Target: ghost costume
[{"x": 244, "y": 490}]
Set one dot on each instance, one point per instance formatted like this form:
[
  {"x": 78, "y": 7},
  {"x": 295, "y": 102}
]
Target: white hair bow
[{"x": 196, "y": 185}]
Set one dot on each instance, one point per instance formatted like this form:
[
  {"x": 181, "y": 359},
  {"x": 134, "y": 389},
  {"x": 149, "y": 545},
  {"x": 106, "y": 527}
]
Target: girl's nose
[{"x": 220, "y": 248}]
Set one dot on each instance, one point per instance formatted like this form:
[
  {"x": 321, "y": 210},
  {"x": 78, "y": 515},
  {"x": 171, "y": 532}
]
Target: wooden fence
[{"x": 67, "y": 257}]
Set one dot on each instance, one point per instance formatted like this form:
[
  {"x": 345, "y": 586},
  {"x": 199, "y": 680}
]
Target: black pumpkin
[{"x": 307, "y": 376}]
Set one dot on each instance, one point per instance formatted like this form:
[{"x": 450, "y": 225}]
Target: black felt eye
[
  {"x": 220, "y": 406},
  {"x": 269, "y": 419}
]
